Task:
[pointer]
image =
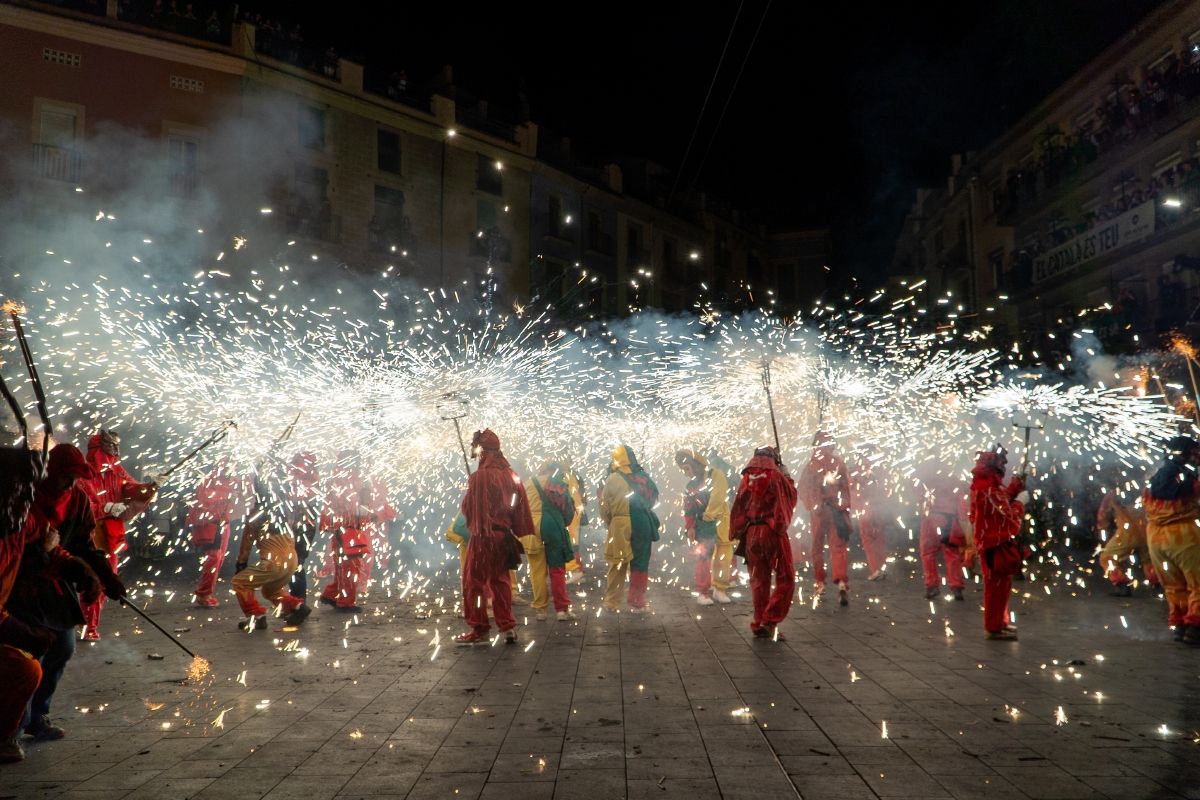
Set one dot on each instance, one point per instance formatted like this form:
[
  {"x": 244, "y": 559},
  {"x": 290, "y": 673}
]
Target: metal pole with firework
[
  {"x": 766, "y": 382},
  {"x": 1183, "y": 346},
  {"x": 453, "y": 408},
  {"x": 217, "y": 435},
  {"x": 199, "y": 666},
  {"x": 1028, "y": 425},
  {"x": 14, "y": 311}
]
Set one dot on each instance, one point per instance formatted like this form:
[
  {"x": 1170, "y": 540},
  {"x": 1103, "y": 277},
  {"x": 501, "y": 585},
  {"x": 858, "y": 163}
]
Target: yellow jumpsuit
[
  {"x": 718, "y": 511},
  {"x": 272, "y": 572},
  {"x": 574, "y": 525},
  {"x": 535, "y": 550},
  {"x": 618, "y": 546},
  {"x": 1173, "y": 538}
]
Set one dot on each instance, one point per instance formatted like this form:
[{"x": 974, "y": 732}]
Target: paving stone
[{"x": 640, "y": 707}]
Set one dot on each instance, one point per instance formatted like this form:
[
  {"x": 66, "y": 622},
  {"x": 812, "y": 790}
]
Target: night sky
[{"x": 836, "y": 119}]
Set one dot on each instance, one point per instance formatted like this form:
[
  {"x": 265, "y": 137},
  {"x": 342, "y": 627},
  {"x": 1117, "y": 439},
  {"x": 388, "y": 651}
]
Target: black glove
[
  {"x": 114, "y": 588},
  {"x": 241, "y": 565},
  {"x": 82, "y": 577},
  {"x": 33, "y": 639}
]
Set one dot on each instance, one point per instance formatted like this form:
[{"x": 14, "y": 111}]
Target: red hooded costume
[
  {"x": 761, "y": 515},
  {"x": 346, "y": 515},
  {"x": 868, "y": 492},
  {"x": 996, "y": 516},
  {"x": 112, "y": 484},
  {"x": 218, "y": 498},
  {"x": 824, "y": 490},
  {"x": 497, "y": 513},
  {"x": 941, "y": 533}
]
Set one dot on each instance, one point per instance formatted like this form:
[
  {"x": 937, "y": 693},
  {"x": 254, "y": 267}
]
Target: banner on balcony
[{"x": 1134, "y": 225}]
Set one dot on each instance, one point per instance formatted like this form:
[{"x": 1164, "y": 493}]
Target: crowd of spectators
[
  {"x": 198, "y": 20},
  {"x": 1122, "y": 117},
  {"x": 1175, "y": 193}
]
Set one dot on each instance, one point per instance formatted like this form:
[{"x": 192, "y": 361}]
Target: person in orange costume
[
  {"x": 996, "y": 513},
  {"x": 825, "y": 492},
  {"x": 210, "y": 516},
  {"x": 116, "y": 497},
  {"x": 939, "y": 501},
  {"x": 1173, "y": 535},
  {"x": 497, "y": 513},
  {"x": 759, "y": 521},
  {"x": 868, "y": 494},
  {"x": 1127, "y": 539}
]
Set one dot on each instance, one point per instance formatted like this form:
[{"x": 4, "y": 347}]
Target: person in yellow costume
[
  {"x": 627, "y": 507},
  {"x": 575, "y": 564},
  {"x": 549, "y": 547},
  {"x": 706, "y": 512}
]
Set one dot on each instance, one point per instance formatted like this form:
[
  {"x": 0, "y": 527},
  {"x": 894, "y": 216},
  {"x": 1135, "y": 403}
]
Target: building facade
[
  {"x": 1088, "y": 208},
  {"x": 225, "y": 126}
]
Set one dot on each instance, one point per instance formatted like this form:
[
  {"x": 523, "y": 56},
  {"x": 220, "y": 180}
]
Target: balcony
[
  {"x": 182, "y": 184},
  {"x": 638, "y": 257},
  {"x": 384, "y": 236},
  {"x": 321, "y": 226},
  {"x": 57, "y": 163}
]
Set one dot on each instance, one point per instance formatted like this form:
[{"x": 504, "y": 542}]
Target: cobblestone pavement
[{"x": 890, "y": 697}]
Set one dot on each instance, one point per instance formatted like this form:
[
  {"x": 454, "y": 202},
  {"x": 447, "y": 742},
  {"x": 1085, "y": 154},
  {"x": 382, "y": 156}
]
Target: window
[
  {"x": 312, "y": 127},
  {"x": 487, "y": 177},
  {"x": 309, "y": 211},
  {"x": 388, "y": 143},
  {"x": 485, "y": 215},
  {"x": 389, "y": 227},
  {"x": 182, "y": 162},
  {"x": 54, "y": 152},
  {"x": 633, "y": 244}
]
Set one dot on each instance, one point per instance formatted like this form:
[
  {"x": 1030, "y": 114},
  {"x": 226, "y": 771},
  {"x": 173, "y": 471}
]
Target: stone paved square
[{"x": 892, "y": 697}]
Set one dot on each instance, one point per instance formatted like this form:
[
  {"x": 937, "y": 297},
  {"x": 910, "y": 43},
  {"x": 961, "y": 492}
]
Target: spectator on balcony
[
  {"x": 330, "y": 66},
  {"x": 212, "y": 26}
]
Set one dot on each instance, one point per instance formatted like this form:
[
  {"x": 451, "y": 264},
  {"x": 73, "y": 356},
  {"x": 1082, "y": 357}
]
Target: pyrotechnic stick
[
  {"x": 445, "y": 411},
  {"x": 766, "y": 381},
  {"x": 125, "y": 601},
  {"x": 1029, "y": 426},
  {"x": 38, "y": 391},
  {"x": 217, "y": 436},
  {"x": 1195, "y": 393}
]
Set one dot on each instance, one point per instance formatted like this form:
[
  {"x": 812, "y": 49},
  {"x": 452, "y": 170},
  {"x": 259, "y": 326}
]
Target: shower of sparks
[{"x": 197, "y": 669}]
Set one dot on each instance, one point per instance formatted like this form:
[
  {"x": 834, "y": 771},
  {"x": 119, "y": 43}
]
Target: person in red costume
[
  {"x": 497, "y": 514},
  {"x": 345, "y": 516},
  {"x": 759, "y": 521},
  {"x": 218, "y": 497},
  {"x": 44, "y": 594},
  {"x": 116, "y": 498},
  {"x": 996, "y": 511},
  {"x": 381, "y": 515},
  {"x": 939, "y": 496},
  {"x": 825, "y": 492},
  {"x": 23, "y": 643},
  {"x": 868, "y": 494}
]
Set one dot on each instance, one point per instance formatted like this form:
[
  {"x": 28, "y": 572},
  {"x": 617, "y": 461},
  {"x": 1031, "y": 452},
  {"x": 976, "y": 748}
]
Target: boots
[{"x": 1192, "y": 635}]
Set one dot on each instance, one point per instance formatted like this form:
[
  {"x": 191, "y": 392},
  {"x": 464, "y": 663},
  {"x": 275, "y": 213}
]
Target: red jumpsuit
[
  {"x": 867, "y": 496},
  {"x": 497, "y": 513},
  {"x": 113, "y": 485},
  {"x": 217, "y": 499},
  {"x": 375, "y": 498},
  {"x": 762, "y": 512},
  {"x": 824, "y": 488},
  {"x": 20, "y": 672},
  {"x": 345, "y": 516},
  {"x": 941, "y": 533},
  {"x": 996, "y": 517}
]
